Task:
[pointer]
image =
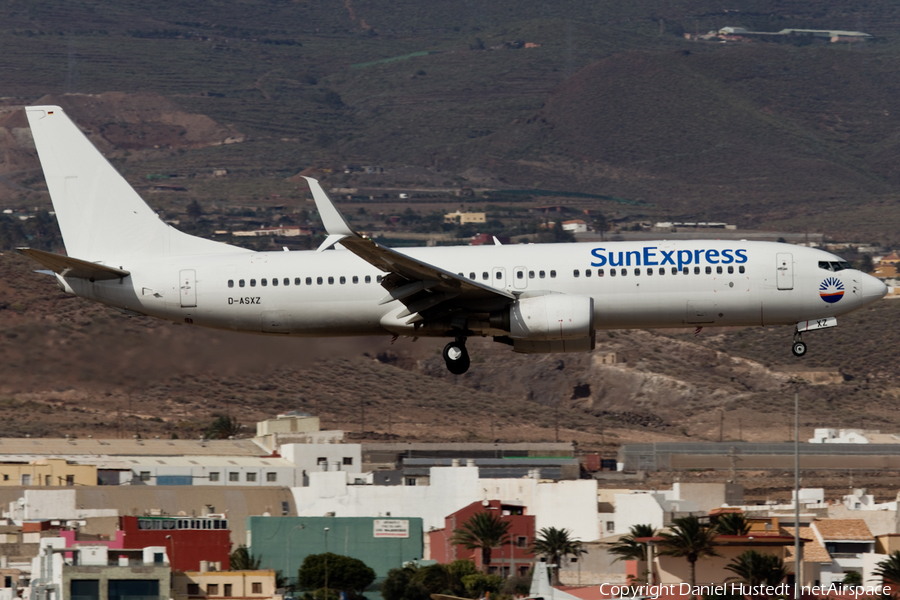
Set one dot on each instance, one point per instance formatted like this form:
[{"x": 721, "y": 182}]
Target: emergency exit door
[
  {"x": 188, "y": 286},
  {"x": 785, "y": 270}
]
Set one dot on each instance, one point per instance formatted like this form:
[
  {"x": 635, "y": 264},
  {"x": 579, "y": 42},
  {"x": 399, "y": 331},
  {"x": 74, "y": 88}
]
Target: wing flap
[{"x": 67, "y": 266}]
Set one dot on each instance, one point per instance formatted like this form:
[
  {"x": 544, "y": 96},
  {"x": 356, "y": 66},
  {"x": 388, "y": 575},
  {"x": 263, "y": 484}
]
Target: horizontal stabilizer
[{"x": 73, "y": 267}]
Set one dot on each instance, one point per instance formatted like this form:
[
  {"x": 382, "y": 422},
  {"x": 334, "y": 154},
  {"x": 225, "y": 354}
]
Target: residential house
[
  {"x": 512, "y": 557},
  {"x": 237, "y": 585}
]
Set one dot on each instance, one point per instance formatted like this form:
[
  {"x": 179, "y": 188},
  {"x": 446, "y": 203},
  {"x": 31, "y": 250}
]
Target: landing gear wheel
[
  {"x": 799, "y": 348},
  {"x": 457, "y": 357}
]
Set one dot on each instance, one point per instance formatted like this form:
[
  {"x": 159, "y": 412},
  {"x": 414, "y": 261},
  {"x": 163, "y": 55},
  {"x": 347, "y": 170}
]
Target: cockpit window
[{"x": 835, "y": 266}]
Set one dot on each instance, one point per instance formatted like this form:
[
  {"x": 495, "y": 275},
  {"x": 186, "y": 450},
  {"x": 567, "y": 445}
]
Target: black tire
[
  {"x": 799, "y": 348},
  {"x": 456, "y": 357}
]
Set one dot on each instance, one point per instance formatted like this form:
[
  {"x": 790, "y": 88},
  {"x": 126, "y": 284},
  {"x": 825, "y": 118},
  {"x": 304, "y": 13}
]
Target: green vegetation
[
  {"x": 241, "y": 560},
  {"x": 333, "y": 572},
  {"x": 460, "y": 578},
  {"x": 483, "y": 531},
  {"x": 556, "y": 544},
  {"x": 688, "y": 537}
]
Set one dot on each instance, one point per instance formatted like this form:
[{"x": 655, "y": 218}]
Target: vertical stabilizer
[
  {"x": 541, "y": 588},
  {"x": 101, "y": 217}
]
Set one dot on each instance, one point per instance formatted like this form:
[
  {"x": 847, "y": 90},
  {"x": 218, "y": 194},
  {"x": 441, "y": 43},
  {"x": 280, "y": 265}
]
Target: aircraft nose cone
[{"x": 872, "y": 289}]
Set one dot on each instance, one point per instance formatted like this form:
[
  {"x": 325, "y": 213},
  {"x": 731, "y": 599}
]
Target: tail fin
[{"x": 101, "y": 217}]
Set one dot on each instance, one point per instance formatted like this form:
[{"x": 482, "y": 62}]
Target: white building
[
  {"x": 312, "y": 458},
  {"x": 565, "y": 504},
  {"x": 208, "y": 470}
]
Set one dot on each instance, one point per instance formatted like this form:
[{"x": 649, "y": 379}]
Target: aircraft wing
[
  {"x": 73, "y": 267},
  {"x": 426, "y": 290}
]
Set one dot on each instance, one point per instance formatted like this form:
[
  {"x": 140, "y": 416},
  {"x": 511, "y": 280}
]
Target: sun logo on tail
[{"x": 831, "y": 290}]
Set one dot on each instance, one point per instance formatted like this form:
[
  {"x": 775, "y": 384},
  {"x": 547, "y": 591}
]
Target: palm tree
[
  {"x": 222, "y": 428},
  {"x": 889, "y": 571},
  {"x": 627, "y": 548},
  {"x": 241, "y": 560},
  {"x": 733, "y": 524},
  {"x": 555, "y": 544},
  {"x": 754, "y": 568},
  {"x": 483, "y": 531},
  {"x": 690, "y": 538}
]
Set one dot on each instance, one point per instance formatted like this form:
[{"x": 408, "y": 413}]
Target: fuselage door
[
  {"x": 188, "y": 286},
  {"x": 785, "y": 270},
  {"x": 498, "y": 280},
  {"x": 520, "y": 278}
]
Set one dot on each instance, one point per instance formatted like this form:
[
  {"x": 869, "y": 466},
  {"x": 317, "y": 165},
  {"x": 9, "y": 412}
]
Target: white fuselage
[{"x": 335, "y": 293}]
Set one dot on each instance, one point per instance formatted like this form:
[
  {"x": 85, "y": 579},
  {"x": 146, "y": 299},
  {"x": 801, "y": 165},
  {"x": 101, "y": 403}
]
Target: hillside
[
  {"x": 77, "y": 368},
  {"x": 611, "y": 99}
]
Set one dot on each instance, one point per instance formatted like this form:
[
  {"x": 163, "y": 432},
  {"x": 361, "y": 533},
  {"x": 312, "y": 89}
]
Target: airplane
[{"x": 536, "y": 298}]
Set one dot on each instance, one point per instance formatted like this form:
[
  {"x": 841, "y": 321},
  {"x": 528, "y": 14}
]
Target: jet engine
[{"x": 549, "y": 323}]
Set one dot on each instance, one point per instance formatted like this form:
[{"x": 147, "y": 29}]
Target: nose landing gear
[
  {"x": 456, "y": 356},
  {"x": 799, "y": 346}
]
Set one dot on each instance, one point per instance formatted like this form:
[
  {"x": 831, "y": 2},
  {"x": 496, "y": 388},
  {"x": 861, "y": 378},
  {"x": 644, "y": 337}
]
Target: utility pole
[{"x": 721, "y": 423}]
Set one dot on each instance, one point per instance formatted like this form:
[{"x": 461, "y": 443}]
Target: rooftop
[
  {"x": 27, "y": 448},
  {"x": 843, "y": 530}
]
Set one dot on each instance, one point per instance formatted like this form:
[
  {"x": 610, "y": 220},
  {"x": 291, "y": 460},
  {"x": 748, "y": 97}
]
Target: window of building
[
  {"x": 576, "y": 273},
  {"x": 251, "y": 476},
  {"x": 348, "y": 460},
  {"x": 226, "y": 589},
  {"x": 321, "y": 461},
  {"x": 285, "y": 508},
  {"x": 70, "y": 480},
  {"x": 158, "y": 558},
  {"x": 234, "y": 476},
  {"x": 214, "y": 476},
  {"x": 298, "y": 281},
  {"x": 610, "y": 526},
  {"x": 231, "y": 283},
  {"x": 5, "y": 477},
  {"x": 48, "y": 480},
  {"x": 145, "y": 476},
  {"x": 270, "y": 477},
  {"x": 410, "y": 481},
  {"x": 212, "y": 589},
  {"x": 193, "y": 589},
  {"x": 256, "y": 587},
  {"x": 241, "y": 283},
  {"x": 521, "y": 541}
]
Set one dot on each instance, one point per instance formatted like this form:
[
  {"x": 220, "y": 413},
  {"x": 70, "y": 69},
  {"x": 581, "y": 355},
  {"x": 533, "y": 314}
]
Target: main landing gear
[{"x": 456, "y": 356}]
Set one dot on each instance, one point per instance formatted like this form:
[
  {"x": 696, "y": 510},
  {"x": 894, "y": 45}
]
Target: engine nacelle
[
  {"x": 552, "y": 317},
  {"x": 553, "y": 346}
]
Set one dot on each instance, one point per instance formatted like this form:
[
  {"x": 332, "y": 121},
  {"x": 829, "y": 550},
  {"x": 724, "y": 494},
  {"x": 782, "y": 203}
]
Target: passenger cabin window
[
  {"x": 696, "y": 270},
  {"x": 378, "y": 278},
  {"x": 674, "y": 270},
  {"x": 264, "y": 282},
  {"x": 485, "y": 275},
  {"x": 319, "y": 281},
  {"x": 343, "y": 280},
  {"x": 719, "y": 270},
  {"x": 623, "y": 272},
  {"x": 355, "y": 279},
  {"x": 599, "y": 272},
  {"x": 587, "y": 272},
  {"x": 241, "y": 283},
  {"x": 309, "y": 281},
  {"x": 541, "y": 274},
  {"x": 287, "y": 281},
  {"x": 686, "y": 270},
  {"x": 252, "y": 283},
  {"x": 730, "y": 270},
  {"x": 576, "y": 273},
  {"x": 274, "y": 281},
  {"x": 368, "y": 279},
  {"x": 709, "y": 270},
  {"x": 637, "y": 271},
  {"x": 472, "y": 275},
  {"x": 552, "y": 273},
  {"x": 741, "y": 269},
  {"x": 331, "y": 281},
  {"x": 498, "y": 275},
  {"x": 612, "y": 272},
  {"x": 650, "y": 271},
  {"x": 231, "y": 283},
  {"x": 530, "y": 274},
  {"x": 297, "y": 281},
  {"x": 662, "y": 270},
  {"x": 520, "y": 274}
]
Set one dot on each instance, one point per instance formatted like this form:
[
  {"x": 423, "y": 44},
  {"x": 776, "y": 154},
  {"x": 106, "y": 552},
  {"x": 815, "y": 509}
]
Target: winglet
[{"x": 331, "y": 217}]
